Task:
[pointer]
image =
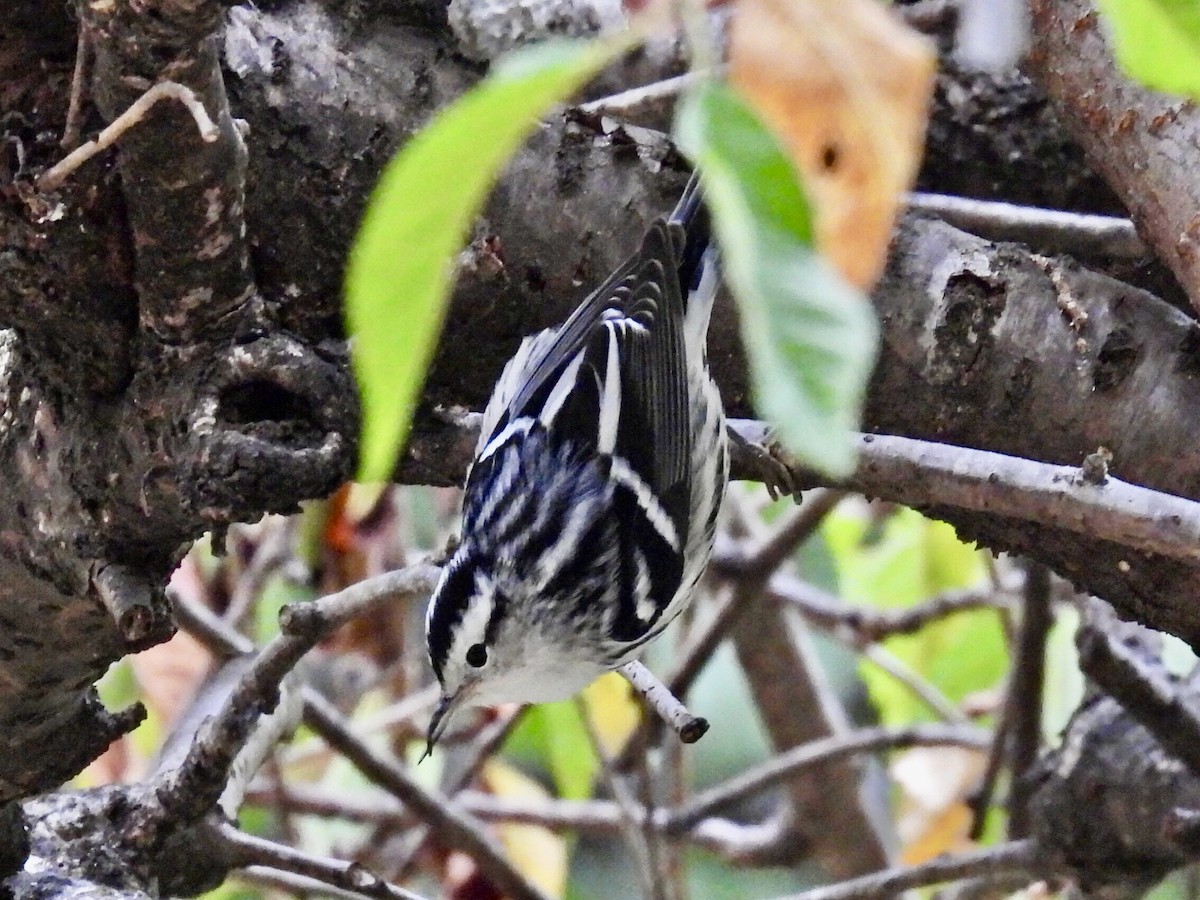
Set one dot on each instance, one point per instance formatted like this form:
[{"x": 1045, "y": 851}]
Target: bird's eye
[{"x": 477, "y": 655}]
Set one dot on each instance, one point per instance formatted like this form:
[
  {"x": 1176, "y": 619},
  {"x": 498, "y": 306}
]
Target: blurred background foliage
[{"x": 867, "y": 554}]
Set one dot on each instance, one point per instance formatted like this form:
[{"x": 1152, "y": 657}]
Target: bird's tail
[
  {"x": 691, "y": 213},
  {"x": 690, "y": 202},
  {"x": 699, "y": 273}
]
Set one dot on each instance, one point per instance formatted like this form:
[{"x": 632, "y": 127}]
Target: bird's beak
[{"x": 441, "y": 718}]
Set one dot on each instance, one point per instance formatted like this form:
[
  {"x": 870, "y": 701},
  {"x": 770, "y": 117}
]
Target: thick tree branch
[{"x": 1111, "y": 806}]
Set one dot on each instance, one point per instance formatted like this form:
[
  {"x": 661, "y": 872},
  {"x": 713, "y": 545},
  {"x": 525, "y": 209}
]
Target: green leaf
[
  {"x": 401, "y": 267},
  {"x": 1063, "y": 686},
  {"x": 811, "y": 336},
  {"x": 553, "y": 735},
  {"x": 1158, "y": 42},
  {"x": 913, "y": 559}
]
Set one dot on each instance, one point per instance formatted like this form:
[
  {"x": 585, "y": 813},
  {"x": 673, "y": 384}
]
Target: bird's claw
[{"x": 770, "y": 463}]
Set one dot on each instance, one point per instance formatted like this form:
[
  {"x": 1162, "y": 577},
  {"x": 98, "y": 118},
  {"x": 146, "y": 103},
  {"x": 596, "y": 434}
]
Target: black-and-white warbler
[{"x": 590, "y": 508}]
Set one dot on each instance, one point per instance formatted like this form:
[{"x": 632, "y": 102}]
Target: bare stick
[
  {"x": 402, "y": 712},
  {"x": 689, "y": 728},
  {"x": 1016, "y": 856},
  {"x": 208, "y": 628},
  {"x": 1048, "y": 230},
  {"x": 323, "y": 615},
  {"x": 1025, "y": 695},
  {"x": 921, "y": 688},
  {"x": 488, "y": 741},
  {"x": 249, "y": 850},
  {"x": 54, "y": 177},
  {"x": 824, "y": 610},
  {"x": 737, "y": 842},
  {"x": 635, "y": 101},
  {"x": 635, "y": 825},
  {"x": 79, "y": 78},
  {"x": 797, "y": 525},
  {"x": 1138, "y": 681},
  {"x": 272, "y": 551},
  {"x": 300, "y": 885},
  {"x": 980, "y": 798},
  {"x": 785, "y": 765}
]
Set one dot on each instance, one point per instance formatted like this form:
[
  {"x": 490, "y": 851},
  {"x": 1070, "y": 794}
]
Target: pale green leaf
[
  {"x": 810, "y": 336},
  {"x": 910, "y": 560},
  {"x": 552, "y": 735},
  {"x": 401, "y": 267},
  {"x": 1157, "y": 42}
]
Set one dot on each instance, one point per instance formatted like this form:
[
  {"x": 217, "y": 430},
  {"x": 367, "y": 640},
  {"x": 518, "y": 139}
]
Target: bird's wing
[{"x": 613, "y": 377}]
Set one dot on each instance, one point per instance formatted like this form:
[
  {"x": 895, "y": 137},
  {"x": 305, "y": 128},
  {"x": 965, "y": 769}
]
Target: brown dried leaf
[{"x": 846, "y": 86}]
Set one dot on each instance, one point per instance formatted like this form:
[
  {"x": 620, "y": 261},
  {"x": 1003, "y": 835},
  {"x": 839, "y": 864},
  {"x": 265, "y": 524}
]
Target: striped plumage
[{"x": 590, "y": 508}]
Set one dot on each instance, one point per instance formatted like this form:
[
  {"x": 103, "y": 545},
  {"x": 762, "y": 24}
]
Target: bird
[{"x": 590, "y": 508}]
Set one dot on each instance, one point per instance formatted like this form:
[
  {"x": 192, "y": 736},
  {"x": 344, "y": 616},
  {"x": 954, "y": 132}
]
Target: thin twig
[
  {"x": 248, "y": 850},
  {"x": 488, "y": 741},
  {"x": 921, "y": 688},
  {"x": 786, "y": 765},
  {"x": 208, "y": 628},
  {"x": 447, "y": 819},
  {"x": 198, "y": 782},
  {"x": 634, "y": 101},
  {"x": 980, "y": 799},
  {"x": 1048, "y": 230},
  {"x": 1016, "y": 856},
  {"x": 826, "y": 611},
  {"x": 272, "y": 551},
  {"x": 298, "y": 885},
  {"x": 321, "y": 616},
  {"x": 793, "y": 529},
  {"x": 402, "y": 712},
  {"x": 669, "y": 708},
  {"x": 702, "y": 643},
  {"x": 54, "y": 177},
  {"x": 635, "y": 827},
  {"x": 735, "y": 841},
  {"x": 1025, "y": 694},
  {"x": 79, "y": 79}
]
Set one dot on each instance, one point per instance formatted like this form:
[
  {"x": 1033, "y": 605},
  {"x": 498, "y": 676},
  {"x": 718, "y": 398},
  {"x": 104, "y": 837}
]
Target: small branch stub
[
  {"x": 689, "y": 728},
  {"x": 130, "y": 601}
]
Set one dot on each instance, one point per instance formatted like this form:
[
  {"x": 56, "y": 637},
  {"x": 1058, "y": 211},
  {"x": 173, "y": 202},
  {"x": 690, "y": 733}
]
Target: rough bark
[
  {"x": 148, "y": 394},
  {"x": 172, "y": 362}
]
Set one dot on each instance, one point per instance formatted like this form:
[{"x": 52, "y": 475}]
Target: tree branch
[
  {"x": 1017, "y": 856},
  {"x": 248, "y": 850},
  {"x": 441, "y": 814},
  {"x": 834, "y": 747},
  {"x": 1140, "y": 140}
]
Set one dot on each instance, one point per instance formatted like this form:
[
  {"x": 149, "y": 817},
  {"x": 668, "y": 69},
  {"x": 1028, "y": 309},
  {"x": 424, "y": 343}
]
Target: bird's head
[{"x": 487, "y": 647}]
